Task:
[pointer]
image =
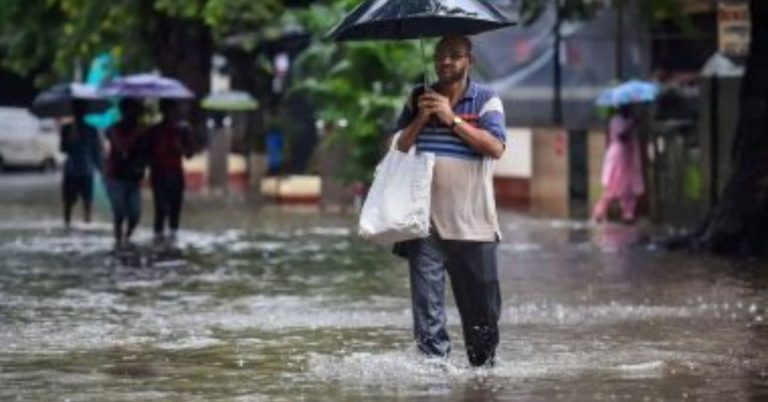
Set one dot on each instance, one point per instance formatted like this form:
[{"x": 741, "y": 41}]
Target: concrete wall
[
  {"x": 512, "y": 177},
  {"x": 596, "y": 143},
  {"x": 549, "y": 184}
]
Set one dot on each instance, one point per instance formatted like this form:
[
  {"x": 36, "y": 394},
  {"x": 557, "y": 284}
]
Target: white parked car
[{"x": 26, "y": 141}]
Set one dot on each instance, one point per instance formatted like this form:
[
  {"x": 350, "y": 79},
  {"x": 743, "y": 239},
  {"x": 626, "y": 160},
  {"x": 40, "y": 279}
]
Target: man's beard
[{"x": 452, "y": 77}]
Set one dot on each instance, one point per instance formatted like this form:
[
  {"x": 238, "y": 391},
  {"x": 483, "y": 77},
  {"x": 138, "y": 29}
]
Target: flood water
[{"x": 271, "y": 305}]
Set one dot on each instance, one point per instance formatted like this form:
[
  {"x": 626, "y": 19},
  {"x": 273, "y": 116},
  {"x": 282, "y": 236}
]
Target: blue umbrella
[{"x": 634, "y": 91}]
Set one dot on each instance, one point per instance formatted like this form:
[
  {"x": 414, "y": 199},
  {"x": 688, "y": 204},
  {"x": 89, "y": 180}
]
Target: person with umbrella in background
[
  {"x": 622, "y": 172},
  {"x": 169, "y": 141},
  {"x": 83, "y": 147},
  {"x": 126, "y": 162},
  {"x": 79, "y": 141},
  {"x": 132, "y": 149}
]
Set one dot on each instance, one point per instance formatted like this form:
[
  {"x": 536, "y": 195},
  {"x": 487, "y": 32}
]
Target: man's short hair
[{"x": 464, "y": 40}]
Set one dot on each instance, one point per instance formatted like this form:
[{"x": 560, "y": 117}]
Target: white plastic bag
[{"x": 398, "y": 203}]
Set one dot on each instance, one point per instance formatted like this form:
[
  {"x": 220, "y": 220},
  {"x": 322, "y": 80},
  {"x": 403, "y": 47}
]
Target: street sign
[{"x": 733, "y": 28}]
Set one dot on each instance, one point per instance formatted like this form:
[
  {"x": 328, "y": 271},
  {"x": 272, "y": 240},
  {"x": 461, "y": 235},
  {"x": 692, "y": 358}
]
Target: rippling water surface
[{"x": 286, "y": 306}]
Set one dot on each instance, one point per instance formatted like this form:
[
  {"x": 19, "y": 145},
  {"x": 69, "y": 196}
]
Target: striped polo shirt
[
  {"x": 479, "y": 107},
  {"x": 463, "y": 206}
]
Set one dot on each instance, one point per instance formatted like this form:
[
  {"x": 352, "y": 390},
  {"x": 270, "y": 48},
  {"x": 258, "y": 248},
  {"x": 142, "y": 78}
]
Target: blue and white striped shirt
[
  {"x": 462, "y": 205},
  {"x": 479, "y": 107}
]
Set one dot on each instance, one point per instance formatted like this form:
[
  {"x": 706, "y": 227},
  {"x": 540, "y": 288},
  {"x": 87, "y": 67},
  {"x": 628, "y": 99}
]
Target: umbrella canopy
[
  {"x": 56, "y": 101},
  {"x": 634, "y": 91},
  {"x": 149, "y": 86},
  {"x": 233, "y": 101},
  {"x": 413, "y": 19}
]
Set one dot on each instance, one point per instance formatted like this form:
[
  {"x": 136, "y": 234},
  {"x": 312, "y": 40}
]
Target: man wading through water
[{"x": 462, "y": 123}]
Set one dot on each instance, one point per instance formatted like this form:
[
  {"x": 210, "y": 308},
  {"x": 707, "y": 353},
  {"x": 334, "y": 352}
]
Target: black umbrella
[
  {"x": 56, "y": 101},
  {"x": 417, "y": 19},
  {"x": 414, "y": 19}
]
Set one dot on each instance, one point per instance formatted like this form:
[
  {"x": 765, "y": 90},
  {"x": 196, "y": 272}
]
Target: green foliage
[
  {"x": 667, "y": 10},
  {"x": 56, "y": 35},
  {"x": 362, "y": 83},
  {"x": 28, "y": 32}
]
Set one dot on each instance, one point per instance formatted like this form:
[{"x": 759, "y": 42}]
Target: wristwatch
[{"x": 457, "y": 121}]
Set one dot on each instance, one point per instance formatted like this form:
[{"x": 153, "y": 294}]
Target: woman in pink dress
[{"x": 622, "y": 175}]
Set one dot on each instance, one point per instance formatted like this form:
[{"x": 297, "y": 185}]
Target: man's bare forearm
[
  {"x": 408, "y": 136},
  {"x": 481, "y": 140}
]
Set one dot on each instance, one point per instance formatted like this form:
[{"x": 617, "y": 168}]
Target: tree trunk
[
  {"x": 247, "y": 75},
  {"x": 182, "y": 49},
  {"x": 739, "y": 224}
]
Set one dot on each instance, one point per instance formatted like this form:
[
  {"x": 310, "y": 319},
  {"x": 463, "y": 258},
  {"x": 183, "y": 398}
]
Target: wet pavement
[{"x": 275, "y": 305}]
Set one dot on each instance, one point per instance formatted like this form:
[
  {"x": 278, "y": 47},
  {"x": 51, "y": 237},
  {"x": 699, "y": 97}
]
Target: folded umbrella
[
  {"x": 148, "y": 86},
  {"x": 56, "y": 101}
]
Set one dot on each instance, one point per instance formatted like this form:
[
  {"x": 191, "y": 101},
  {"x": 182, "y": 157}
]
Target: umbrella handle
[{"x": 424, "y": 60}]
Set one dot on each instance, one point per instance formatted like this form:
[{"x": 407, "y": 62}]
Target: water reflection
[{"x": 269, "y": 306}]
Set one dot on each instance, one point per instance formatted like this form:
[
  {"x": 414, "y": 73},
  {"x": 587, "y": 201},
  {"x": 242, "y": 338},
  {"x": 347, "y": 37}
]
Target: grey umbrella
[{"x": 57, "y": 100}]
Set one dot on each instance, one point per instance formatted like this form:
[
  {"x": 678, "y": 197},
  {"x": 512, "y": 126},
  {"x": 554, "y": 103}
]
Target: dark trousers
[
  {"x": 168, "y": 195},
  {"x": 125, "y": 197},
  {"x": 76, "y": 186},
  {"x": 473, "y": 272}
]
